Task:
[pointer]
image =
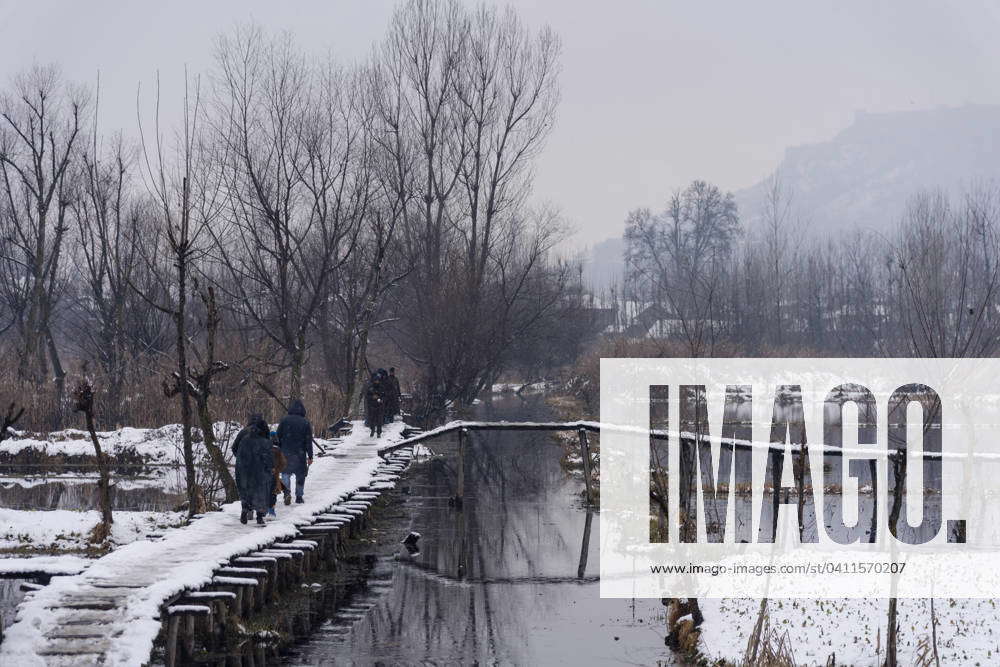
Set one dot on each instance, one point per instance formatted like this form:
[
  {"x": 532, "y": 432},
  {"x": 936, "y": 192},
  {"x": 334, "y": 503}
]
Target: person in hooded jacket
[
  {"x": 295, "y": 437},
  {"x": 393, "y": 393},
  {"x": 375, "y": 406},
  {"x": 254, "y": 464}
]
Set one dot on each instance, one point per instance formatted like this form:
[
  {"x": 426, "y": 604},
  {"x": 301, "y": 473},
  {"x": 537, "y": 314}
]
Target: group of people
[
  {"x": 381, "y": 400},
  {"x": 267, "y": 460}
]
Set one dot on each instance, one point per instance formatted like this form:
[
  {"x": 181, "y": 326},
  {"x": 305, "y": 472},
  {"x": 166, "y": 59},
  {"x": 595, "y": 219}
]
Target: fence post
[{"x": 585, "y": 455}]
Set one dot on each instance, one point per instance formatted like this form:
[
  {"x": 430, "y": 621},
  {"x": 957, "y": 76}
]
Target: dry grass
[
  {"x": 100, "y": 533},
  {"x": 143, "y": 404},
  {"x": 767, "y": 647}
]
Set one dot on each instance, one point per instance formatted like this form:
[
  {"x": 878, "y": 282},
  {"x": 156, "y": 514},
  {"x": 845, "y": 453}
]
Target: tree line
[
  {"x": 698, "y": 278},
  {"x": 299, "y": 212}
]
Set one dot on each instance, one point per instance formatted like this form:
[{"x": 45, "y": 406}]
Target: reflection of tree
[{"x": 481, "y": 570}]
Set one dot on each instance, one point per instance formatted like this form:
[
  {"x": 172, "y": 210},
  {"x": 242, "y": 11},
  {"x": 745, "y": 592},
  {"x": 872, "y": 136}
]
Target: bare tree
[
  {"x": 187, "y": 203},
  {"x": 470, "y": 98},
  {"x": 293, "y": 155},
  {"x": 115, "y": 325},
  {"x": 683, "y": 255},
  {"x": 947, "y": 268},
  {"x": 200, "y": 389},
  {"x": 38, "y": 134},
  {"x": 83, "y": 401}
]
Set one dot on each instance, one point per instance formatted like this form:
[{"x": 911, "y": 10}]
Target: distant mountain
[{"x": 863, "y": 177}]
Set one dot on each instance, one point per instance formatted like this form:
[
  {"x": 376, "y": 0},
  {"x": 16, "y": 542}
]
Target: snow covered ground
[
  {"x": 47, "y": 564},
  {"x": 24, "y": 531},
  {"x": 66, "y": 530},
  {"x": 156, "y": 445},
  {"x": 184, "y": 559},
  {"x": 968, "y": 631}
]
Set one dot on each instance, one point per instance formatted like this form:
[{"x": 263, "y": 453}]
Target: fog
[{"x": 654, "y": 94}]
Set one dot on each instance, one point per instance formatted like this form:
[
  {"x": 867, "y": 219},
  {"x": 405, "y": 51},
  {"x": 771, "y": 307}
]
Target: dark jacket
[
  {"x": 375, "y": 403},
  {"x": 254, "y": 464},
  {"x": 392, "y": 395},
  {"x": 295, "y": 436}
]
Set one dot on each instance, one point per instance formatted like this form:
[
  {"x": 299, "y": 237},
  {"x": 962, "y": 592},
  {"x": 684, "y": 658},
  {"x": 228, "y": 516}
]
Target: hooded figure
[
  {"x": 375, "y": 406},
  {"x": 295, "y": 436},
  {"x": 392, "y": 395},
  {"x": 254, "y": 463}
]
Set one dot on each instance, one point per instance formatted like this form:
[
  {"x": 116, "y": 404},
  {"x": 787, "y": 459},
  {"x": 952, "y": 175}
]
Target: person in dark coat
[
  {"x": 375, "y": 406},
  {"x": 295, "y": 437},
  {"x": 392, "y": 394},
  {"x": 254, "y": 464}
]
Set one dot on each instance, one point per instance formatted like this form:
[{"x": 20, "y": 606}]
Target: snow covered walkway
[{"x": 112, "y": 611}]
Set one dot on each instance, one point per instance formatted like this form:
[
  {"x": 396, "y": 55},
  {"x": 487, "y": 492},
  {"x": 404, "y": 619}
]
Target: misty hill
[{"x": 865, "y": 174}]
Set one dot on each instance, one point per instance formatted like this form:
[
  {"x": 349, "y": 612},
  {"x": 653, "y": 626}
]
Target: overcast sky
[{"x": 654, "y": 94}]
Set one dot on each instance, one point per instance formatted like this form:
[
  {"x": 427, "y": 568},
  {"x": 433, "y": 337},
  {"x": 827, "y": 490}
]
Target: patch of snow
[
  {"x": 46, "y": 564},
  {"x": 67, "y": 529},
  {"x": 186, "y": 558}
]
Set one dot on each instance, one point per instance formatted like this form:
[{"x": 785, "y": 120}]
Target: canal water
[{"x": 512, "y": 578}]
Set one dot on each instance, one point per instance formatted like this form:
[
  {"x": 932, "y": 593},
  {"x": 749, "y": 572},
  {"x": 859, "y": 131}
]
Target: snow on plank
[{"x": 148, "y": 574}]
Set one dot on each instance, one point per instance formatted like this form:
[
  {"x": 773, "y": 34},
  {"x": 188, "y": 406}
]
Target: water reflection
[
  {"x": 82, "y": 494},
  {"x": 508, "y": 579}
]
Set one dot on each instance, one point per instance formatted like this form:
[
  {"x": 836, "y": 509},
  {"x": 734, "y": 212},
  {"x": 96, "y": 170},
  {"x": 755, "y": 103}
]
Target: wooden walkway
[{"x": 112, "y": 612}]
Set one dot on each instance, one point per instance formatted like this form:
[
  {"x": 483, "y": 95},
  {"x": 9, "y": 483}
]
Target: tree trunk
[
  {"x": 181, "y": 255},
  {"x": 104, "y": 481},
  {"x": 890, "y": 635},
  {"x": 59, "y": 378},
  {"x": 298, "y": 361},
  {"x": 215, "y": 453}
]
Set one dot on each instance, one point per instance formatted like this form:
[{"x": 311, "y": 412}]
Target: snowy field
[
  {"x": 61, "y": 484},
  {"x": 155, "y": 445},
  {"x": 66, "y": 530},
  {"x": 968, "y": 631}
]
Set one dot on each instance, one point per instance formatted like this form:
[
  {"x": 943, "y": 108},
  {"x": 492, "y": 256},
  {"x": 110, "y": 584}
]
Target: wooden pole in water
[
  {"x": 585, "y": 547},
  {"x": 585, "y": 456}
]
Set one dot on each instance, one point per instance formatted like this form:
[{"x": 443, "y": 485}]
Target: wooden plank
[
  {"x": 78, "y": 631},
  {"x": 76, "y": 647}
]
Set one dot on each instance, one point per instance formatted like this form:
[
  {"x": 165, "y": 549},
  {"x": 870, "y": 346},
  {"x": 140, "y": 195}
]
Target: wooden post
[
  {"x": 463, "y": 435},
  {"x": 585, "y": 456},
  {"x": 189, "y": 636},
  {"x": 585, "y": 547},
  {"x": 172, "y": 640}
]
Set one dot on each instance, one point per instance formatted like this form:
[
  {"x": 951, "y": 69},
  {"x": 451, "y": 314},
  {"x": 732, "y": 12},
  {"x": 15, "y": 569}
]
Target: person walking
[
  {"x": 254, "y": 465},
  {"x": 279, "y": 465},
  {"x": 393, "y": 394},
  {"x": 375, "y": 406},
  {"x": 295, "y": 437}
]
